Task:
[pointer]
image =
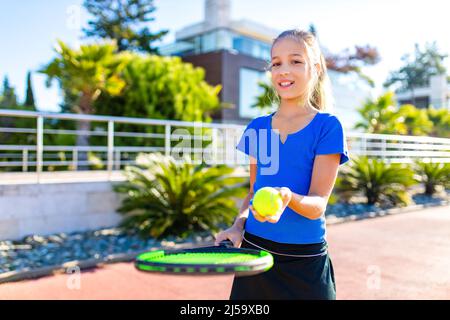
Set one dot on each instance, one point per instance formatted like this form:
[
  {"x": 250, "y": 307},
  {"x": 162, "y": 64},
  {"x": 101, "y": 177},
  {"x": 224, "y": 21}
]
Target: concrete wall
[
  {"x": 48, "y": 208},
  {"x": 56, "y": 207}
]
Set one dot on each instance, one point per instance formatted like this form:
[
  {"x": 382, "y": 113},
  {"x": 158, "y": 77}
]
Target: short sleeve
[
  {"x": 249, "y": 140},
  {"x": 333, "y": 140}
]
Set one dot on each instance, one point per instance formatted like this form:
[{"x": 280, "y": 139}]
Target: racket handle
[{"x": 226, "y": 243}]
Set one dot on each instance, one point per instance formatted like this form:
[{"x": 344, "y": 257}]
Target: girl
[{"x": 297, "y": 150}]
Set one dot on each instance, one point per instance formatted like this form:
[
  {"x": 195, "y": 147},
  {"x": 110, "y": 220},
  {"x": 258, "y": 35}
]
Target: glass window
[
  {"x": 248, "y": 91},
  {"x": 209, "y": 42},
  {"x": 251, "y": 47},
  {"x": 224, "y": 40}
]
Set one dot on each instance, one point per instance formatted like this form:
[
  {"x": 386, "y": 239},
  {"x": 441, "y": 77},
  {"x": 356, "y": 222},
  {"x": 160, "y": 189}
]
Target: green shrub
[
  {"x": 166, "y": 197},
  {"x": 432, "y": 175},
  {"x": 380, "y": 183}
]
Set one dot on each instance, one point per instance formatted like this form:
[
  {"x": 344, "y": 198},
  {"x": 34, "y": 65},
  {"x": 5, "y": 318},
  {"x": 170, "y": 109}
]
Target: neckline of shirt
[{"x": 293, "y": 133}]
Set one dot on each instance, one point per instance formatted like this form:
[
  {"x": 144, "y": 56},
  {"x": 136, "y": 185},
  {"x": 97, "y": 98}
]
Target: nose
[{"x": 284, "y": 71}]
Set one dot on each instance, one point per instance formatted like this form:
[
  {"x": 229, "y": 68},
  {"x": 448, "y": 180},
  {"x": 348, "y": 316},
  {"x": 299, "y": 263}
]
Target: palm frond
[{"x": 168, "y": 197}]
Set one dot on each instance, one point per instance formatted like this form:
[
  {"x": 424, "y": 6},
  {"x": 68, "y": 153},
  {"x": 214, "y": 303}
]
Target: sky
[{"x": 29, "y": 30}]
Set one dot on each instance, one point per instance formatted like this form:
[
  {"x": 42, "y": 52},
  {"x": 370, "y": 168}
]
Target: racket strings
[{"x": 205, "y": 258}]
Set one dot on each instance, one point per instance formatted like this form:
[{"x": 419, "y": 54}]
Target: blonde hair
[{"x": 319, "y": 92}]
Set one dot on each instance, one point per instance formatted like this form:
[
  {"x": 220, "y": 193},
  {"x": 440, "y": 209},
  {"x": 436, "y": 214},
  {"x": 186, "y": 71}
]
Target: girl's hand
[
  {"x": 286, "y": 195},
  {"x": 235, "y": 234}
]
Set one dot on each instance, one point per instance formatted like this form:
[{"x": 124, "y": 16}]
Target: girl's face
[{"x": 290, "y": 69}]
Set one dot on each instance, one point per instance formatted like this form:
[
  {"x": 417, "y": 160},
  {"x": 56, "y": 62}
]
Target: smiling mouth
[{"x": 286, "y": 84}]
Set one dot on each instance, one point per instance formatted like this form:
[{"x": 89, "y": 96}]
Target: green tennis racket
[{"x": 221, "y": 259}]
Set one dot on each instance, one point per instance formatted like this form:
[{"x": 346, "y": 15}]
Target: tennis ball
[{"x": 267, "y": 201}]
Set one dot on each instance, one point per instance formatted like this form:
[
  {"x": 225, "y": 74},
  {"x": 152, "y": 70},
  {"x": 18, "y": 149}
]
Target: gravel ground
[{"x": 36, "y": 251}]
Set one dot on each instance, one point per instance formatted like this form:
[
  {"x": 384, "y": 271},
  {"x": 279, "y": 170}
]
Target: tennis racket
[{"x": 212, "y": 260}]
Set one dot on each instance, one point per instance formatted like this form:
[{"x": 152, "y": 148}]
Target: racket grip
[{"x": 226, "y": 243}]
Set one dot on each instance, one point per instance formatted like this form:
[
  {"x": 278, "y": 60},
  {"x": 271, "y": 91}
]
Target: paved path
[{"x": 405, "y": 256}]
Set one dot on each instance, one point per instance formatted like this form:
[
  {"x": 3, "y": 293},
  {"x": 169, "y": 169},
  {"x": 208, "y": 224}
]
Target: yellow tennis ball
[{"x": 267, "y": 201}]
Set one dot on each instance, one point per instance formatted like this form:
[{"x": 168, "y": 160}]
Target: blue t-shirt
[{"x": 290, "y": 164}]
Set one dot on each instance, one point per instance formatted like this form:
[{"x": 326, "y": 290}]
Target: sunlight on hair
[{"x": 319, "y": 90}]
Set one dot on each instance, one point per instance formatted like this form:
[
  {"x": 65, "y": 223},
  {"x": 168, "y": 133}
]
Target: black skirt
[{"x": 300, "y": 272}]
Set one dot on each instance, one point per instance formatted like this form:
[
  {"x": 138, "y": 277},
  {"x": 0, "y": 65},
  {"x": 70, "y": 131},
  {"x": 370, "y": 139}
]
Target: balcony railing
[{"x": 214, "y": 142}]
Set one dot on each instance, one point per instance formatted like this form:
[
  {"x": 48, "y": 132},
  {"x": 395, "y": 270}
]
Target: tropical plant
[
  {"x": 162, "y": 88},
  {"x": 159, "y": 88},
  {"x": 416, "y": 120},
  {"x": 85, "y": 74},
  {"x": 380, "y": 183},
  {"x": 268, "y": 99},
  {"x": 432, "y": 175},
  {"x": 381, "y": 116},
  {"x": 441, "y": 122},
  {"x": 166, "y": 197}
]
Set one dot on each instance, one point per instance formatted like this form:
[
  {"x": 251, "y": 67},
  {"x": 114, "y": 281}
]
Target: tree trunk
[
  {"x": 430, "y": 189},
  {"x": 413, "y": 97},
  {"x": 83, "y": 138}
]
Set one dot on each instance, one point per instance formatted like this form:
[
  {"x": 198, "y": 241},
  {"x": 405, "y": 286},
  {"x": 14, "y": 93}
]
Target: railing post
[
  {"x": 117, "y": 161},
  {"x": 110, "y": 147},
  {"x": 167, "y": 140},
  {"x": 402, "y": 148},
  {"x": 75, "y": 159},
  {"x": 39, "y": 147},
  {"x": 25, "y": 160},
  {"x": 214, "y": 144},
  {"x": 364, "y": 146},
  {"x": 383, "y": 148}
]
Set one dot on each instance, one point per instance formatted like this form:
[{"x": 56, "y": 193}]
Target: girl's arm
[
  {"x": 313, "y": 205},
  {"x": 243, "y": 212},
  {"x": 324, "y": 175}
]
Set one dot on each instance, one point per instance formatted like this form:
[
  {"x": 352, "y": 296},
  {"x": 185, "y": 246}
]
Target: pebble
[{"x": 36, "y": 251}]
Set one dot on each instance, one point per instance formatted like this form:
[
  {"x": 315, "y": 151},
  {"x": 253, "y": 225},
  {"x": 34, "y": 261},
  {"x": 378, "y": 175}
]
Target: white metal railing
[
  {"x": 221, "y": 139},
  {"x": 399, "y": 148}
]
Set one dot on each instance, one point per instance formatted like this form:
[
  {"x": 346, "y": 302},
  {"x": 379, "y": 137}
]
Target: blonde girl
[{"x": 297, "y": 150}]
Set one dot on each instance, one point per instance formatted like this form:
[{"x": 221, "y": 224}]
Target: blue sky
[{"x": 29, "y": 29}]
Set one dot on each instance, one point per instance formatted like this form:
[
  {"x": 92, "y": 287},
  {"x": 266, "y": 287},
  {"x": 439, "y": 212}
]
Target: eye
[
  {"x": 276, "y": 64},
  {"x": 297, "y": 61}
]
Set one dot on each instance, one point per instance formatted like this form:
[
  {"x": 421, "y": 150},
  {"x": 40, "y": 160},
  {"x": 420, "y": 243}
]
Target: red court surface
[{"x": 404, "y": 256}]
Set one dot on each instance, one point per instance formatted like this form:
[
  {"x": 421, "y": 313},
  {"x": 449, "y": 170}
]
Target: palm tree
[
  {"x": 432, "y": 175},
  {"x": 381, "y": 116},
  {"x": 416, "y": 120},
  {"x": 441, "y": 122},
  {"x": 268, "y": 100},
  {"x": 165, "y": 196},
  {"x": 84, "y": 74}
]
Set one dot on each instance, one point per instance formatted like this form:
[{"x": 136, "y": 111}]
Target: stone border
[
  {"x": 332, "y": 220},
  {"x": 27, "y": 274}
]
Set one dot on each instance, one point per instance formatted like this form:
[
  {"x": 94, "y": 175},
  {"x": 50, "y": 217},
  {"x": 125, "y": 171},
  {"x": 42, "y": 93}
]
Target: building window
[
  {"x": 224, "y": 40},
  {"x": 209, "y": 42},
  {"x": 418, "y": 102},
  {"x": 251, "y": 47},
  {"x": 249, "y": 90}
]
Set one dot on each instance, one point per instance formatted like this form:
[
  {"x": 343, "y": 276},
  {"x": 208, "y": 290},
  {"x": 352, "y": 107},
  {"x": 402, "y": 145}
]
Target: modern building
[
  {"x": 437, "y": 94},
  {"x": 236, "y": 53}
]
